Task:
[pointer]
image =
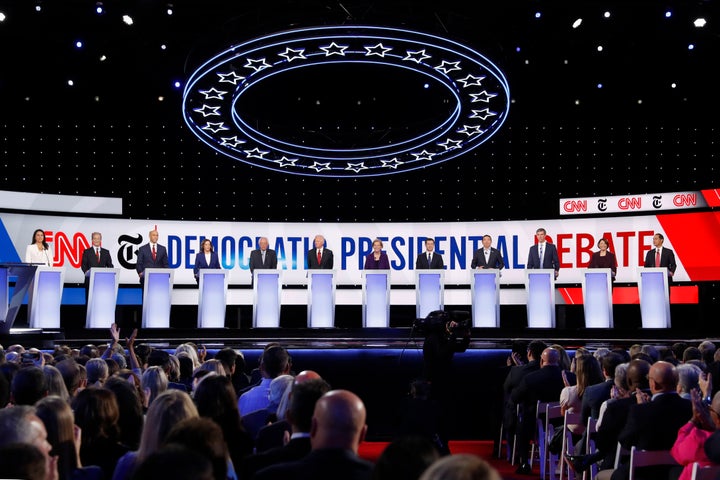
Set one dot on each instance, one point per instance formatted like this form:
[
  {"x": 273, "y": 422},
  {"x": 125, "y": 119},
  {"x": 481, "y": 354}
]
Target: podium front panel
[
  {"x": 102, "y": 297},
  {"x": 654, "y": 297},
  {"x": 485, "y": 288},
  {"x": 24, "y": 274},
  {"x": 45, "y": 298},
  {"x": 597, "y": 297},
  {"x": 376, "y": 298},
  {"x": 540, "y": 288},
  {"x": 429, "y": 291},
  {"x": 321, "y": 298},
  {"x": 157, "y": 297},
  {"x": 212, "y": 297},
  {"x": 267, "y": 289}
]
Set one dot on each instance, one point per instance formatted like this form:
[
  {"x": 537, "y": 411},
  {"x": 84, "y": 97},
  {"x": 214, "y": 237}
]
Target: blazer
[
  {"x": 495, "y": 259},
  {"x": 667, "y": 260},
  {"x": 270, "y": 260},
  {"x": 201, "y": 262},
  {"x": 550, "y": 258},
  {"x": 33, "y": 255},
  {"x": 145, "y": 260},
  {"x": 382, "y": 264},
  {"x": 90, "y": 260},
  {"x": 326, "y": 261},
  {"x": 608, "y": 261},
  {"x": 422, "y": 262}
]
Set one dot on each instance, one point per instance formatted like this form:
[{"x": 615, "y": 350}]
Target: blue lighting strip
[{"x": 478, "y": 87}]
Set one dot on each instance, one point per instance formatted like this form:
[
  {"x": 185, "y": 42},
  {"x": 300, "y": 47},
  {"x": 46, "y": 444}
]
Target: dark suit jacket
[
  {"x": 145, "y": 260},
  {"x": 422, "y": 262},
  {"x": 326, "y": 262},
  {"x": 89, "y": 259},
  {"x": 594, "y": 397},
  {"x": 495, "y": 259},
  {"x": 256, "y": 260},
  {"x": 295, "y": 450},
  {"x": 614, "y": 419},
  {"x": 667, "y": 260},
  {"x": 512, "y": 380},
  {"x": 550, "y": 257},
  {"x": 201, "y": 262},
  {"x": 271, "y": 436},
  {"x": 382, "y": 264},
  {"x": 329, "y": 463}
]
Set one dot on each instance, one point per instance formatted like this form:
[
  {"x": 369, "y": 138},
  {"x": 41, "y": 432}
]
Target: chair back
[
  {"x": 708, "y": 472},
  {"x": 647, "y": 458}
]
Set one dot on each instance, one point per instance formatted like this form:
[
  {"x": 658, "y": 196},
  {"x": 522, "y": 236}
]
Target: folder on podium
[
  {"x": 45, "y": 297},
  {"x": 102, "y": 297},
  {"x": 376, "y": 298},
  {"x": 485, "y": 288},
  {"x": 429, "y": 291},
  {"x": 157, "y": 297},
  {"x": 540, "y": 288},
  {"x": 212, "y": 297},
  {"x": 267, "y": 288},
  {"x": 10, "y": 304},
  {"x": 321, "y": 298},
  {"x": 654, "y": 293},
  {"x": 597, "y": 297}
]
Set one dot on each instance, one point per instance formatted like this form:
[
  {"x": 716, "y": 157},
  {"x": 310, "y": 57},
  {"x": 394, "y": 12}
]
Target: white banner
[{"x": 650, "y": 202}]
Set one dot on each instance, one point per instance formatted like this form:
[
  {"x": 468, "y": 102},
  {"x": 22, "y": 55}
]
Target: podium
[
  {"x": 376, "y": 298},
  {"x": 321, "y": 298},
  {"x": 102, "y": 297},
  {"x": 45, "y": 297},
  {"x": 267, "y": 288},
  {"x": 540, "y": 288},
  {"x": 654, "y": 293},
  {"x": 9, "y": 305},
  {"x": 597, "y": 297},
  {"x": 485, "y": 288},
  {"x": 157, "y": 297},
  {"x": 429, "y": 291},
  {"x": 212, "y": 297}
]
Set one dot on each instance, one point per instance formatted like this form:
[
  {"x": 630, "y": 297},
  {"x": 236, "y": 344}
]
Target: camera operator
[{"x": 444, "y": 336}]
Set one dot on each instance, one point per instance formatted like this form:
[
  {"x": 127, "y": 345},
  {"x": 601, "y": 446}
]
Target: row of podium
[{"x": 44, "y": 285}]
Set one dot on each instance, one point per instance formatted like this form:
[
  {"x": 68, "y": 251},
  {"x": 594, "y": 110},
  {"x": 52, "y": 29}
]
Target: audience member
[
  {"x": 20, "y": 425},
  {"x": 462, "y": 466},
  {"x": 131, "y": 410},
  {"x": 54, "y": 382},
  {"x": 97, "y": 372},
  {"x": 204, "y": 436},
  {"x": 22, "y": 461},
  {"x": 28, "y": 386},
  {"x": 254, "y": 421},
  {"x": 690, "y": 442},
  {"x": 154, "y": 381},
  {"x": 275, "y": 361},
  {"x": 175, "y": 462},
  {"x": 405, "y": 458}
]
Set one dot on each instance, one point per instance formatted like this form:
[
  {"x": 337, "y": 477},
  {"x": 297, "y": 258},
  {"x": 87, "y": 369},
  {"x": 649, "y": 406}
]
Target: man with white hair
[{"x": 20, "y": 424}]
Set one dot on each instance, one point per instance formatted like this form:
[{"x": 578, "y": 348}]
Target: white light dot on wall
[
  {"x": 577, "y": 23},
  {"x": 700, "y": 22}
]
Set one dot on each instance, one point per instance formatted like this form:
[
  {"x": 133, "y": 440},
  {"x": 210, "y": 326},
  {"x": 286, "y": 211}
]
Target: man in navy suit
[
  {"x": 543, "y": 255},
  {"x": 660, "y": 256},
  {"x": 93, "y": 257},
  {"x": 263, "y": 257},
  {"x": 151, "y": 255},
  {"x": 430, "y": 259},
  {"x": 487, "y": 256},
  {"x": 320, "y": 257}
]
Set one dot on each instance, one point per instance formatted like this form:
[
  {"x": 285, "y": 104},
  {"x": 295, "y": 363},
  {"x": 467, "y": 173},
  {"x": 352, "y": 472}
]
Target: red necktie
[
  {"x": 657, "y": 257},
  {"x": 154, "y": 254},
  {"x": 319, "y": 257},
  {"x": 97, "y": 252}
]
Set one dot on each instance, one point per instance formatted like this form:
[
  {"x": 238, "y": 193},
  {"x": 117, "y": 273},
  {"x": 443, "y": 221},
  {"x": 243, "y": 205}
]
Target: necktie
[
  {"x": 429, "y": 258},
  {"x": 657, "y": 257},
  {"x": 319, "y": 257},
  {"x": 154, "y": 254},
  {"x": 97, "y": 253},
  {"x": 541, "y": 256},
  {"x": 263, "y": 258}
]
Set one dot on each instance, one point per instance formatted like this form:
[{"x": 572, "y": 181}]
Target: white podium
[
  {"x": 102, "y": 297},
  {"x": 485, "y": 288},
  {"x": 10, "y": 304},
  {"x": 157, "y": 297},
  {"x": 597, "y": 297},
  {"x": 540, "y": 288},
  {"x": 654, "y": 297},
  {"x": 267, "y": 288},
  {"x": 429, "y": 291},
  {"x": 376, "y": 298},
  {"x": 212, "y": 297},
  {"x": 321, "y": 298},
  {"x": 45, "y": 297}
]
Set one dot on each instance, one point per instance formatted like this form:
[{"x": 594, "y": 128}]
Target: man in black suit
[
  {"x": 337, "y": 429},
  {"x": 262, "y": 257},
  {"x": 595, "y": 395},
  {"x": 320, "y": 257},
  {"x": 543, "y": 255},
  {"x": 430, "y": 259},
  {"x": 487, "y": 256},
  {"x": 94, "y": 257},
  {"x": 151, "y": 255},
  {"x": 660, "y": 256}
]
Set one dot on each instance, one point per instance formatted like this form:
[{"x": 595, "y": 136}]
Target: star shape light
[
  {"x": 286, "y": 162},
  {"x": 471, "y": 130},
  {"x": 482, "y": 114},
  {"x": 334, "y": 49},
  {"x": 256, "y": 153},
  {"x": 319, "y": 167},
  {"x": 450, "y": 144},
  {"x": 447, "y": 67},
  {"x": 394, "y": 163},
  {"x": 231, "y": 141},
  {"x": 213, "y": 93},
  {"x": 424, "y": 155},
  {"x": 483, "y": 96},
  {"x": 356, "y": 167},
  {"x": 378, "y": 50},
  {"x": 471, "y": 81},
  {"x": 231, "y": 77},
  {"x": 290, "y": 54},
  {"x": 417, "y": 56},
  {"x": 207, "y": 110},
  {"x": 215, "y": 127},
  {"x": 257, "y": 64}
]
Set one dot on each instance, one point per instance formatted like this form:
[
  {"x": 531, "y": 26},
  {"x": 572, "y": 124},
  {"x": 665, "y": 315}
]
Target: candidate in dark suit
[
  {"x": 487, "y": 257},
  {"x": 430, "y": 259},
  {"x": 377, "y": 259},
  {"x": 263, "y": 257},
  {"x": 543, "y": 255},
  {"x": 660, "y": 256},
  {"x": 94, "y": 257},
  {"x": 151, "y": 255},
  {"x": 320, "y": 257},
  {"x": 205, "y": 258}
]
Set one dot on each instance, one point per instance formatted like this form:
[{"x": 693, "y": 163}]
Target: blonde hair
[
  {"x": 460, "y": 466},
  {"x": 169, "y": 408}
]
